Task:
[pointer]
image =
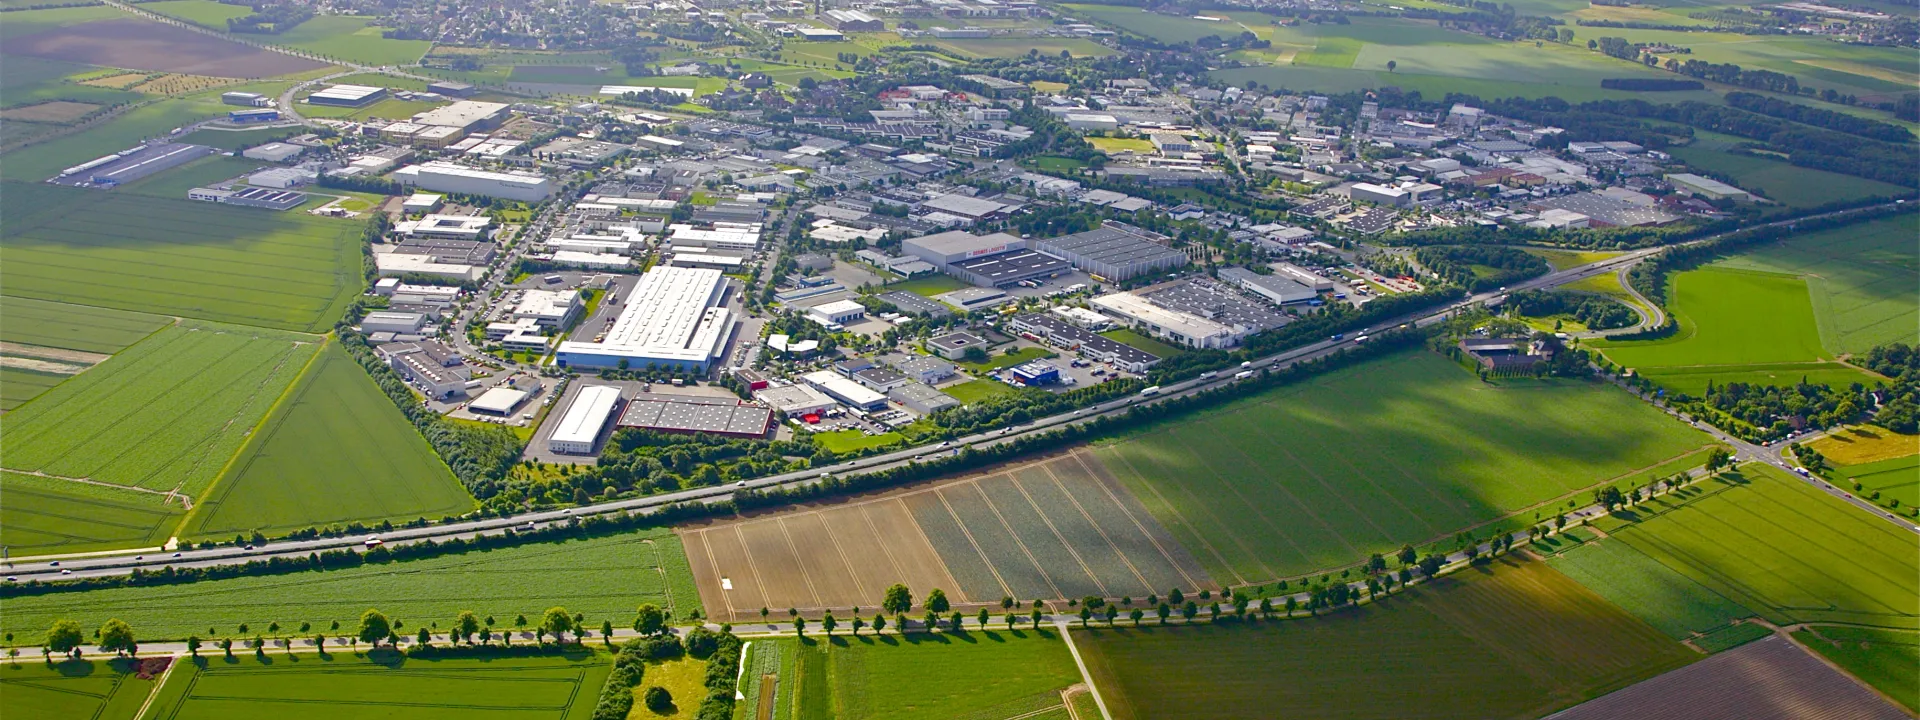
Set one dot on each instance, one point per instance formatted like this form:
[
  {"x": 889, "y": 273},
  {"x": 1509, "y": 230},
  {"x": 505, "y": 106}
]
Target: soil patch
[
  {"x": 57, "y": 111},
  {"x": 142, "y": 45}
]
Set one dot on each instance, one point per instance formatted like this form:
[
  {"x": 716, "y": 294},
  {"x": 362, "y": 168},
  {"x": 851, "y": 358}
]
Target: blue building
[
  {"x": 248, "y": 116},
  {"x": 1036, "y": 372}
]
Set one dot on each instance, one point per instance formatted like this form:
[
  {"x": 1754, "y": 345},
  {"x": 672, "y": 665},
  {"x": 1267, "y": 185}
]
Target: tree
[
  {"x": 465, "y": 625},
  {"x": 1164, "y": 611},
  {"x": 424, "y": 637},
  {"x": 1189, "y": 610},
  {"x": 193, "y": 645},
  {"x": 937, "y": 601},
  {"x": 1036, "y": 615},
  {"x": 984, "y": 615},
  {"x": 1086, "y": 613},
  {"x": 117, "y": 637},
  {"x": 651, "y": 620},
  {"x": 800, "y": 626},
  {"x": 857, "y": 624},
  {"x": 559, "y": 622},
  {"x": 1136, "y": 615},
  {"x": 606, "y": 632},
  {"x": 658, "y": 699},
  {"x": 65, "y": 637},
  {"x": 226, "y": 646},
  {"x": 897, "y": 600},
  {"x": 828, "y": 624},
  {"x": 374, "y": 627},
  {"x": 1392, "y": 64},
  {"x": 879, "y": 623},
  {"x": 1718, "y": 459},
  {"x": 954, "y": 620}
]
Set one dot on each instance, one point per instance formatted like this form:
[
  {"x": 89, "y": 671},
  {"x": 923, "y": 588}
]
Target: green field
[
  {"x": 353, "y": 39},
  {"x": 1563, "y": 259},
  {"x": 73, "y": 327},
  {"x": 1361, "y": 460},
  {"x": 973, "y": 391},
  {"x": 95, "y": 690},
  {"x": 1165, "y": 28},
  {"x": 1137, "y": 341},
  {"x": 1884, "y": 659},
  {"x": 336, "y": 451},
  {"x": 1778, "y": 180},
  {"x": 1898, "y": 478},
  {"x": 46, "y": 516},
  {"x": 1007, "y": 47},
  {"x": 163, "y": 415},
  {"x": 999, "y": 358},
  {"x": 341, "y": 684},
  {"x": 605, "y": 578},
  {"x": 1860, "y": 278},
  {"x": 1785, "y": 550},
  {"x": 174, "y": 256},
  {"x": 200, "y": 12},
  {"x": 851, "y": 441},
  {"x": 988, "y": 675},
  {"x": 29, "y": 80},
  {"x": 1512, "y": 641},
  {"x": 1735, "y": 326},
  {"x": 1667, "y": 600},
  {"x": 927, "y": 286}
]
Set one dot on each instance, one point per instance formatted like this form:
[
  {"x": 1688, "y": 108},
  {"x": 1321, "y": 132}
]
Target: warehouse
[
  {"x": 401, "y": 264},
  {"x": 942, "y": 250},
  {"x": 674, "y": 318},
  {"x": 815, "y": 34},
  {"x": 400, "y": 323},
  {"x": 971, "y": 209},
  {"x": 467, "y": 115},
  {"x": 921, "y": 398},
  {"x": 450, "y": 88},
  {"x": 847, "y": 391},
  {"x": 837, "y": 313},
  {"x": 1180, "y": 328},
  {"x": 795, "y": 400},
  {"x": 245, "y": 99},
  {"x": 1115, "y": 251},
  {"x": 1380, "y": 195},
  {"x": 449, "y": 177},
  {"x": 690, "y": 414},
  {"x": 855, "y": 21},
  {"x": 1707, "y": 187},
  {"x": 249, "y": 197},
  {"x": 580, "y": 427},
  {"x": 461, "y": 252},
  {"x": 1277, "y": 289},
  {"x": 500, "y": 401},
  {"x": 348, "y": 96},
  {"x": 273, "y": 152},
  {"x": 1009, "y": 268},
  {"x": 1087, "y": 343},
  {"x": 1303, "y": 276},
  {"x": 282, "y": 178},
  {"x": 253, "y": 116}
]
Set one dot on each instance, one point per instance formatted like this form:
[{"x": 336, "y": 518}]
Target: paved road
[{"x": 124, "y": 562}]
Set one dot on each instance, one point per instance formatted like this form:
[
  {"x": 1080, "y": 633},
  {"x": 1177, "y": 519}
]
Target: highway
[{"x": 48, "y": 568}]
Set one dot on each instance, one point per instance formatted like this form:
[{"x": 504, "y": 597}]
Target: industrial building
[
  {"x": 580, "y": 427},
  {"x": 253, "y": 116},
  {"x": 1706, "y": 187},
  {"x": 674, "y": 318},
  {"x": 131, "y": 164},
  {"x": 467, "y": 115},
  {"x": 347, "y": 95},
  {"x": 1087, "y": 343},
  {"x": 1180, "y": 328},
  {"x": 1380, "y": 195},
  {"x": 925, "y": 369},
  {"x": 450, "y": 88},
  {"x": 548, "y": 308},
  {"x": 921, "y": 398},
  {"x": 837, "y": 313},
  {"x": 448, "y": 227},
  {"x": 795, "y": 400},
  {"x": 1278, "y": 289},
  {"x": 244, "y": 99},
  {"x": 399, "y": 323},
  {"x": 1115, "y": 251},
  {"x": 250, "y": 197},
  {"x": 435, "y": 369},
  {"x": 422, "y": 203},
  {"x": 451, "y": 178},
  {"x": 1198, "y": 313},
  {"x": 692, "y": 414},
  {"x": 996, "y": 260},
  {"x": 501, "y": 401},
  {"x": 956, "y": 345},
  {"x": 815, "y": 34},
  {"x": 402, "y": 264},
  {"x": 1035, "y": 372},
  {"x": 283, "y": 178},
  {"x": 845, "y": 390},
  {"x": 847, "y": 21},
  {"x": 446, "y": 250},
  {"x": 942, "y": 250},
  {"x": 273, "y": 152},
  {"x": 1301, "y": 275}
]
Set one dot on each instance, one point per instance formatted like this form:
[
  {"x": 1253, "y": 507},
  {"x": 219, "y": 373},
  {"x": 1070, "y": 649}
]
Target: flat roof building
[
  {"x": 1089, "y": 344},
  {"x": 922, "y": 398},
  {"x": 693, "y": 414},
  {"x": 954, "y": 346},
  {"x": 441, "y": 176},
  {"x": 468, "y": 115},
  {"x": 347, "y": 95},
  {"x": 401, "y": 264},
  {"x": 580, "y": 427},
  {"x": 1275, "y": 288},
  {"x": 1008, "y": 268},
  {"x": 674, "y": 318},
  {"x": 1707, "y": 187},
  {"x": 1115, "y": 251},
  {"x": 499, "y": 401},
  {"x": 1181, "y": 328},
  {"x": 548, "y": 308},
  {"x": 450, "y": 227},
  {"x": 845, "y": 390},
  {"x": 795, "y": 400},
  {"x": 854, "y": 21},
  {"x": 250, "y": 197}
]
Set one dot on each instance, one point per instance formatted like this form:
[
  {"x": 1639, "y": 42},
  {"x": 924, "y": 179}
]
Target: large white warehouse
[
  {"x": 580, "y": 427},
  {"x": 454, "y": 178},
  {"x": 673, "y": 319}
]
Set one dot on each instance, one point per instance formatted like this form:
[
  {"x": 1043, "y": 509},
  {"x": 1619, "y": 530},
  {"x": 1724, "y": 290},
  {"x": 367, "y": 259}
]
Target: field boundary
[{"x": 254, "y": 436}]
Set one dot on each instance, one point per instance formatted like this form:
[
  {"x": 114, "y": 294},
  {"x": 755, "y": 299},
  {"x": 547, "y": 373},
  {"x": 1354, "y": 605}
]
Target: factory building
[
  {"x": 847, "y": 391},
  {"x": 1275, "y": 288},
  {"x": 1303, "y": 276},
  {"x": 549, "y": 308},
  {"x": 1089, "y": 344},
  {"x": 1706, "y": 187},
  {"x": 450, "y": 88},
  {"x": 996, "y": 260},
  {"x": 467, "y": 115},
  {"x": 1115, "y": 251},
  {"x": 347, "y": 96},
  {"x": 253, "y": 116},
  {"x": 243, "y": 99},
  {"x": 249, "y": 197},
  {"x": 847, "y": 21},
  {"x": 451, "y": 178},
  {"x": 398, "y": 323},
  {"x": 273, "y": 152},
  {"x": 691, "y": 414},
  {"x": 435, "y": 369},
  {"x": 954, "y": 346},
  {"x": 447, "y": 227},
  {"x": 586, "y": 418},
  {"x": 1178, "y": 327},
  {"x": 795, "y": 400},
  {"x": 921, "y": 398},
  {"x": 674, "y": 318}
]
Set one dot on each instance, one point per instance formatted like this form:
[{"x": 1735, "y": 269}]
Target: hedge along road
[{"x": 48, "y": 568}]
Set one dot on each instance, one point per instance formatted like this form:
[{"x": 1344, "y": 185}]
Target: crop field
[
  {"x": 1007, "y": 47},
  {"x": 74, "y": 689},
  {"x": 45, "y": 516},
  {"x": 605, "y": 578},
  {"x": 136, "y": 44},
  {"x": 1770, "y": 678},
  {"x": 28, "y": 80},
  {"x": 1861, "y": 444},
  {"x": 351, "y": 38},
  {"x": 337, "y": 451},
  {"x": 1860, "y": 279},
  {"x": 1114, "y": 145},
  {"x": 1785, "y": 550},
  {"x": 1898, "y": 478},
  {"x": 340, "y": 684},
  {"x": 289, "y": 271},
  {"x": 73, "y": 327},
  {"x": 989, "y": 675},
  {"x": 1165, "y": 28},
  {"x": 1515, "y": 640},
  {"x": 1795, "y": 187},
  {"x": 1884, "y": 659},
  {"x": 199, "y": 12},
  {"x": 1316, "y": 476},
  {"x": 1052, "y": 529},
  {"x": 43, "y": 160},
  {"x": 1670, "y": 602},
  {"x": 1735, "y": 326},
  {"x": 163, "y": 415}
]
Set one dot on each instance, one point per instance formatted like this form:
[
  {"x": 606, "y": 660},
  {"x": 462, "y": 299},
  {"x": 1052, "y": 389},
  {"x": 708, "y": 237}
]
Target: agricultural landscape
[{"x": 959, "y": 360}]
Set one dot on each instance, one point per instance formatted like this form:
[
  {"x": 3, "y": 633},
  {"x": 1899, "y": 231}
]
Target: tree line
[
  {"x": 1597, "y": 312},
  {"x": 1820, "y": 117},
  {"x": 1481, "y": 267}
]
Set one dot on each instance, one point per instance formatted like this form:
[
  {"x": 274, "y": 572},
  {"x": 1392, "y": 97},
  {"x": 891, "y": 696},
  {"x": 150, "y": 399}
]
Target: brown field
[
  {"x": 1049, "y": 529},
  {"x": 175, "y": 83},
  {"x": 1769, "y": 679},
  {"x": 119, "y": 81},
  {"x": 57, "y": 111},
  {"x": 143, "y": 45}
]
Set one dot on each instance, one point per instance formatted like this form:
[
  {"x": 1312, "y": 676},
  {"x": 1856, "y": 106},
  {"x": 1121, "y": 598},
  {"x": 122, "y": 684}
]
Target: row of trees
[
  {"x": 1820, "y": 117},
  {"x": 1597, "y": 312},
  {"x": 1481, "y": 267}
]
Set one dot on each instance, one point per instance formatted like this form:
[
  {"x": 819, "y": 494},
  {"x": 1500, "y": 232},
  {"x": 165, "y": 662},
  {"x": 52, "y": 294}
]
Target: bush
[{"x": 658, "y": 699}]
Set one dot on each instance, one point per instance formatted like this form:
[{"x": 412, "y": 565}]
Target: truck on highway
[
  {"x": 1208, "y": 374},
  {"x": 1243, "y": 374},
  {"x": 1154, "y": 390}
]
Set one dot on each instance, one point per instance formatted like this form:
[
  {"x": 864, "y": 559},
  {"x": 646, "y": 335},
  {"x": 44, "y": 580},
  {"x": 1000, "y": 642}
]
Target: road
[{"x": 124, "y": 562}]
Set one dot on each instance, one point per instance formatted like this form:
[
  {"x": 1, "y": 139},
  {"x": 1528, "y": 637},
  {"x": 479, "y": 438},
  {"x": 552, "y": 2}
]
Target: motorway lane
[{"x": 123, "y": 563}]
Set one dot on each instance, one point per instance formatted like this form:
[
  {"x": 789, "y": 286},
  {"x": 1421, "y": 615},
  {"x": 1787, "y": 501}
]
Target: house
[{"x": 1506, "y": 354}]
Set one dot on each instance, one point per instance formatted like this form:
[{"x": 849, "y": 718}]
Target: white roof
[
  {"x": 673, "y": 314},
  {"x": 832, "y": 383},
  {"x": 500, "y": 400},
  {"x": 1138, "y": 308},
  {"x": 551, "y": 304},
  {"x": 587, "y": 416},
  {"x": 838, "y": 306},
  {"x": 460, "y": 114}
]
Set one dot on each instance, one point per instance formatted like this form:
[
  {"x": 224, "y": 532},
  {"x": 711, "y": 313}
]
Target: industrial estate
[{"x": 959, "y": 359}]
